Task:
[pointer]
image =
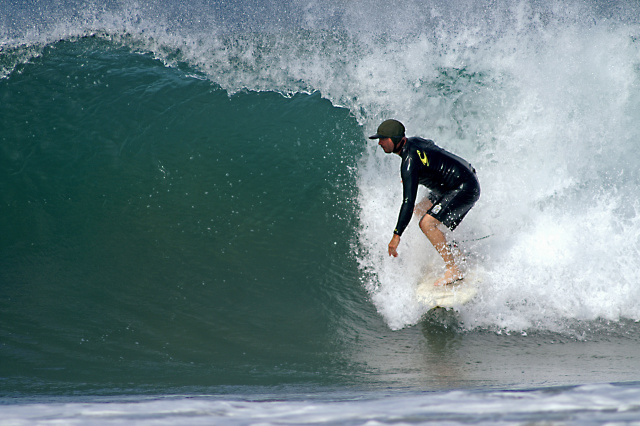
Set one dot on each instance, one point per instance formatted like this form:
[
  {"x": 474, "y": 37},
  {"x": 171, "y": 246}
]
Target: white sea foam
[
  {"x": 596, "y": 404},
  {"x": 546, "y": 115}
]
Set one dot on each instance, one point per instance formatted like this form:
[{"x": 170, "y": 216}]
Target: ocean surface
[{"x": 194, "y": 225}]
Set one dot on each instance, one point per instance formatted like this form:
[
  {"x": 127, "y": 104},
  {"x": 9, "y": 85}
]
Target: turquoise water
[
  {"x": 155, "y": 223},
  {"x": 194, "y": 225}
]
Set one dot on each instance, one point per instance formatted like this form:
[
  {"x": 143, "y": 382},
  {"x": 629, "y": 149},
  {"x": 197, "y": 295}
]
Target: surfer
[{"x": 453, "y": 186}]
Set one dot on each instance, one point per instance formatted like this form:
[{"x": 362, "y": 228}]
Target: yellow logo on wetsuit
[{"x": 423, "y": 157}]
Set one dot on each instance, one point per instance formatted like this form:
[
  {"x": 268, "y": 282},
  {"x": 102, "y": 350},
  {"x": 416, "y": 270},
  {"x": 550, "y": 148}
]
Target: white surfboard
[{"x": 446, "y": 296}]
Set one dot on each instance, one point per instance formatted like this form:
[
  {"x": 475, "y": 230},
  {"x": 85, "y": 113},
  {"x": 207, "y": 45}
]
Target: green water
[{"x": 158, "y": 230}]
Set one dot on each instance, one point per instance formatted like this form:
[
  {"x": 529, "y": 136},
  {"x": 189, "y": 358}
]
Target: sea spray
[{"x": 545, "y": 113}]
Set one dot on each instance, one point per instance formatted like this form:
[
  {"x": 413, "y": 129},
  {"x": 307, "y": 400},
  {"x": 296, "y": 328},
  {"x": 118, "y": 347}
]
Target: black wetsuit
[{"x": 452, "y": 181}]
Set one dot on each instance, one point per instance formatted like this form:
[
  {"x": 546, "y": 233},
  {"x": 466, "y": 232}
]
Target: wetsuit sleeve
[{"x": 409, "y": 174}]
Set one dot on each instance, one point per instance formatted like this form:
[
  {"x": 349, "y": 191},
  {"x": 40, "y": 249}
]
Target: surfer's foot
[{"x": 451, "y": 276}]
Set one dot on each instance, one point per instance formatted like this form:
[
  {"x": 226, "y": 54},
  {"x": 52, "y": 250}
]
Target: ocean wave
[{"x": 526, "y": 92}]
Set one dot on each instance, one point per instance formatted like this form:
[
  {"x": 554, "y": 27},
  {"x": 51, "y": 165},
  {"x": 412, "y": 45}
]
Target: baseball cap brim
[{"x": 389, "y": 129}]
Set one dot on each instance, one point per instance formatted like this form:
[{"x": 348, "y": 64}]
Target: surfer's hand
[{"x": 393, "y": 245}]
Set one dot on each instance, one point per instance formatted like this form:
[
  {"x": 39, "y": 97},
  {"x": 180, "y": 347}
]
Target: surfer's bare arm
[{"x": 393, "y": 245}]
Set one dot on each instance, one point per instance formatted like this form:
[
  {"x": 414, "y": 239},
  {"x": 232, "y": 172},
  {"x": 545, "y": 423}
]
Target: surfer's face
[{"x": 386, "y": 144}]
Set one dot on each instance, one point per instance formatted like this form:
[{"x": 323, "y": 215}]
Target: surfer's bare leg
[
  {"x": 429, "y": 226},
  {"x": 422, "y": 207}
]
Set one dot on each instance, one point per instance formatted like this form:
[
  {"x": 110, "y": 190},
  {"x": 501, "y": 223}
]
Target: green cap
[{"x": 389, "y": 129}]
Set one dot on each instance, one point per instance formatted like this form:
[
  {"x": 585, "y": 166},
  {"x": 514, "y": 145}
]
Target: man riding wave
[{"x": 453, "y": 186}]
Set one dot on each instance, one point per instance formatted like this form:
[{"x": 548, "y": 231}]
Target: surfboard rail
[{"x": 447, "y": 296}]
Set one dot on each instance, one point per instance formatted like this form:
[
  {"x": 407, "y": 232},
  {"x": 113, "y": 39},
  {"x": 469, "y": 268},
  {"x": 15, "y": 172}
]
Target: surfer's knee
[{"x": 428, "y": 223}]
